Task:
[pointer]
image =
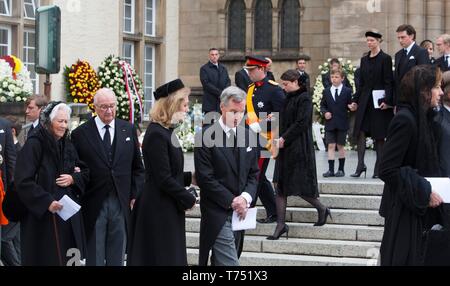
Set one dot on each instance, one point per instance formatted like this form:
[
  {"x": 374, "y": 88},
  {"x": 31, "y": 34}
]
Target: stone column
[
  {"x": 396, "y": 16},
  {"x": 249, "y": 31},
  {"x": 435, "y": 19},
  {"x": 171, "y": 48},
  {"x": 447, "y": 15},
  {"x": 276, "y": 39},
  {"x": 417, "y": 18}
]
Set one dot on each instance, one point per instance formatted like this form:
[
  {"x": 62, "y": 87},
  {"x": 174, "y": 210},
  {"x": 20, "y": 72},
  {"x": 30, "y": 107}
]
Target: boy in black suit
[{"x": 335, "y": 102}]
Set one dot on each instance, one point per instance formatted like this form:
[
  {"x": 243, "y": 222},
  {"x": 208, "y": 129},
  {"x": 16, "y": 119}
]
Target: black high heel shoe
[
  {"x": 323, "y": 220},
  {"x": 358, "y": 173},
  {"x": 276, "y": 237}
]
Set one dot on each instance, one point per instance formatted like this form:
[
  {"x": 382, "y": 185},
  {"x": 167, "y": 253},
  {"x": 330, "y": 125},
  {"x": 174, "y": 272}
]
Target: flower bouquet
[
  {"x": 190, "y": 126},
  {"x": 119, "y": 76},
  {"x": 81, "y": 83},
  {"x": 15, "y": 81}
]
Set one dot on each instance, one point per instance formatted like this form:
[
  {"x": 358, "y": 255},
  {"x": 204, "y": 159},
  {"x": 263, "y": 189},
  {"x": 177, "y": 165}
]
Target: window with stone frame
[
  {"x": 29, "y": 46},
  {"x": 290, "y": 24},
  {"x": 5, "y": 7},
  {"x": 150, "y": 7},
  {"x": 29, "y": 8},
  {"x": 5, "y": 40},
  {"x": 149, "y": 78},
  {"x": 236, "y": 25},
  {"x": 128, "y": 52},
  {"x": 128, "y": 16},
  {"x": 263, "y": 25}
]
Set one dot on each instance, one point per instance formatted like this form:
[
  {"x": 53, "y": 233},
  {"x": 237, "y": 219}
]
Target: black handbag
[
  {"x": 13, "y": 207},
  {"x": 437, "y": 240}
]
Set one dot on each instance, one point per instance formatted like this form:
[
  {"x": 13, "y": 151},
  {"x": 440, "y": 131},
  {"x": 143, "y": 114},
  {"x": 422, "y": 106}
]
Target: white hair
[
  {"x": 103, "y": 92},
  {"x": 62, "y": 106}
]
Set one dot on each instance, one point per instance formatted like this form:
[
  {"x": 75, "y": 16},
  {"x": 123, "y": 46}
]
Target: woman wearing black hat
[
  {"x": 158, "y": 235},
  {"x": 47, "y": 169},
  {"x": 373, "y": 116}
]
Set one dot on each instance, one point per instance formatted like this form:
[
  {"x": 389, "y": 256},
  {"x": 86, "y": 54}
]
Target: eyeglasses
[{"x": 106, "y": 107}]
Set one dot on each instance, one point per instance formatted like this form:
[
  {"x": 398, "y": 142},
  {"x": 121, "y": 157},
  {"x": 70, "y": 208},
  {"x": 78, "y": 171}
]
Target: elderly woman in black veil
[
  {"x": 409, "y": 155},
  {"x": 48, "y": 168}
]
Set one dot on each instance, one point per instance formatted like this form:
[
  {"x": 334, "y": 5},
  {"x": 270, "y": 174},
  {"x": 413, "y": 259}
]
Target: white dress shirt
[
  {"x": 408, "y": 49},
  {"x": 35, "y": 123},
  {"x": 333, "y": 90},
  {"x": 102, "y": 130},
  {"x": 227, "y": 129}
]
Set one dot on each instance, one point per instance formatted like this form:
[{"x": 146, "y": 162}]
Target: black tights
[
  {"x": 362, "y": 150},
  {"x": 281, "y": 202}
]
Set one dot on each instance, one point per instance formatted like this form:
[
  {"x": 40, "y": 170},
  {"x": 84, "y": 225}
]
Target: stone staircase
[{"x": 352, "y": 238}]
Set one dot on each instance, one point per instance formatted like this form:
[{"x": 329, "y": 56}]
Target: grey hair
[
  {"x": 62, "y": 106},
  {"x": 445, "y": 38},
  {"x": 102, "y": 92},
  {"x": 234, "y": 93}
]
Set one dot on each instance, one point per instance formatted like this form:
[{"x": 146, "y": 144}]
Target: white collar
[
  {"x": 225, "y": 127},
  {"x": 101, "y": 125},
  {"x": 217, "y": 65},
  {"x": 447, "y": 107},
  {"x": 35, "y": 123},
  {"x": 408, "y": 49},
  {"x": 339, "y": 88}
]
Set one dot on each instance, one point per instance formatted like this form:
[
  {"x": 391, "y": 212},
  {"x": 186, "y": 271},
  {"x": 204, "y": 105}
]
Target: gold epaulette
[{"x": 273, "y": 82}]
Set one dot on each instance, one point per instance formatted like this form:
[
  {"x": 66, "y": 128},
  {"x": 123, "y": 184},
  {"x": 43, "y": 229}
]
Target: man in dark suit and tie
[
  {"x": 242, "y": 79},
  {"x": 227, "y": 187},
  {"x": 7, "y": 165},
  {"x": 304, "y": 79},
  {"x": 214, "y": 78},
  {"x": 409, "y": 56},
  {"x": 110, "y": 148},
  {"x": 34, "y": 105},
  {"x": 443, "y": 46}
]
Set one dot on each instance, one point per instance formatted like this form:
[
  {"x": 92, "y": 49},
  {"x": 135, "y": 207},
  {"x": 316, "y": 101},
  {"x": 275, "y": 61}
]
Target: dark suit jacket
[
  {"x": 221, "y": 183},
  {"x": 214, "y": 81},
  {"x": 417, "y": 56},
  {"x": 326, "y": 81},
  {"x": 441, "y": 64},
  {"x": 338, "y": 108},
  {"x": 8, "y": 153},
  {"x": 242, "y": 80},
  {"x": 305, "y": 81},
  {"x": 443, "y": 131},
  {"x": 124, "y": 176}
]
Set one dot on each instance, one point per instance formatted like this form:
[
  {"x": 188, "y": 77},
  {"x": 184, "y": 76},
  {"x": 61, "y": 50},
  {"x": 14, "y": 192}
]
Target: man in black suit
[
  {"x": 304, "y": 79},
  {"x": 409, "y": 56},
  {"x": 326, "y": 77},
  {"x": 443, "y": 46},
  {"x": 227, "y": 187},
  {"x": 242, "y": 79},
  {"x": 110, "y": 148},
  {"x": 7, "y": 164},
  {"x": 214, "y": 78},
  {"x": 34, "y": 105}
]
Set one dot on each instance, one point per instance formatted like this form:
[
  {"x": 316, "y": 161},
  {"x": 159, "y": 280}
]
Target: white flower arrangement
[
  {"x": 15, "y": 85},
  {"x": 111, "y": 75},
  {"x": 190, "y": 126}
]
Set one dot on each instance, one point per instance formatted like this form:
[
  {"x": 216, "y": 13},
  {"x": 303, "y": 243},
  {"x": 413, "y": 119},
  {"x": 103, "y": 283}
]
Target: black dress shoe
[
  {"x": 275, "y": 236},
  {"x": 340, "y": 173},
  {"x": 269, "y": 219},
  {"x": 328, "y": 174},
  {"x": 375, "y": 176}
]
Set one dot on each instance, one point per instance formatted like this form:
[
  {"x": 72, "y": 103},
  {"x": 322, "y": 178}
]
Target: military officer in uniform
[{"x": 264, "y": 97}]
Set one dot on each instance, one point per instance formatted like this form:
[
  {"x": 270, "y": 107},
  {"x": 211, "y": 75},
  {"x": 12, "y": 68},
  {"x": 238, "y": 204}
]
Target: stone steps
[
  {"x": 351, "y": 187},
  {"x": 275, "y": 259},
  {"x": 309, "y": 215},
  {"x": 307, "y": 230},
  {"x": 299, "y": 246},
  {"x": 355, "y": 202}
]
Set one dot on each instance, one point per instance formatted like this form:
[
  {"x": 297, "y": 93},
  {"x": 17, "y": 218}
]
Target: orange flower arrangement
[{"x": 81, "y": 83}]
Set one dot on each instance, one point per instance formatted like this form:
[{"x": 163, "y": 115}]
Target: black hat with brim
[{"x": 168, "y": 88}]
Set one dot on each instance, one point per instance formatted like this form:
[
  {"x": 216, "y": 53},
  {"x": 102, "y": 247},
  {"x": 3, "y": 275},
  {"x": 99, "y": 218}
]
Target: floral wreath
[
  {"x": 15, "y": 80},
  {"x": 81, "y": 83},
  {"x": 118, "y": 75}
]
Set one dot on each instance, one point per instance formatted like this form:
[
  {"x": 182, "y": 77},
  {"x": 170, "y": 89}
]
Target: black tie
[
  {"x": 107, "y": 142},
  {"x": 405, "y": 52},
  {"x": 446, "y": 62},
  {"x": 30, "y": 131},
  {"x": 336, "y": 94},
  {"x": 234, "y": 140}
]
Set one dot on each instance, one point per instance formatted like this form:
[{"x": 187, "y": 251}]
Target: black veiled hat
[
  {"x": 168, "y": 88},
  {"x": 44, "y": 117},
  {"x": 374, "y": 34}
]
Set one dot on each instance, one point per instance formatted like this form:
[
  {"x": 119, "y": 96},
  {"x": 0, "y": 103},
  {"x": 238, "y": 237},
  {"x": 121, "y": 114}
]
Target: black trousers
[
  {"x": 265, "y": 190},
  {"x": 10, "y": 253}
]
